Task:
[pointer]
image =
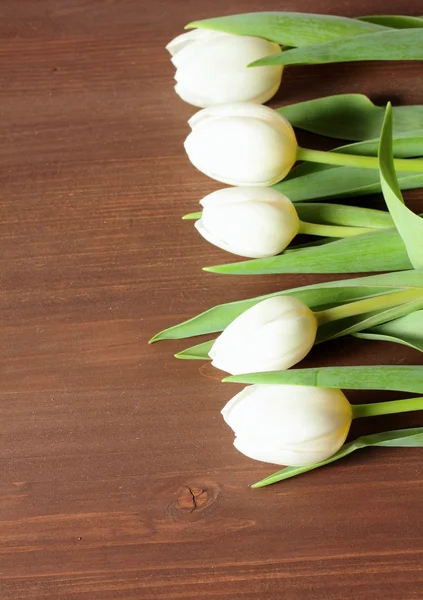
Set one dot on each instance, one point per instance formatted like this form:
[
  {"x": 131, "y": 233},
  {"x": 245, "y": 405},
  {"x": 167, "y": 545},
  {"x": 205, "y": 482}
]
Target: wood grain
[{"x": 118, "y": 476}]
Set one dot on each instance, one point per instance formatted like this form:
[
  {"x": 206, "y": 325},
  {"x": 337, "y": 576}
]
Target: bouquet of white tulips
[{"x": 228, "y": 67}]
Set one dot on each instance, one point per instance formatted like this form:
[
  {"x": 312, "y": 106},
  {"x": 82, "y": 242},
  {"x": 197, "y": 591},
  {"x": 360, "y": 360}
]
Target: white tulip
[
  {"x": 248, "y": 221},
  {"x": 211, "y": 68},
  {"x": 242, "y": 144},
  {"x": 289, "y": 424},
  {"x": 272, "y": 335}
]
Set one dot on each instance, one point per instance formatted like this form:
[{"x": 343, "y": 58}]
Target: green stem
[
  {"x": 336, "y": 231},
  {"x": 350, "y": 160},
  {"x": 359, "y": 307},
  {"x": 387, "y": 408}
]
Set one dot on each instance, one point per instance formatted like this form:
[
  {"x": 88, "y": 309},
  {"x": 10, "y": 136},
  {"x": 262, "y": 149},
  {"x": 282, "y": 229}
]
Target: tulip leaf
[
  {"x": 317, "y": 296},
  {"x": 339, "y": 182},
  {"x": 402, "y": 438},
  {"x": 351, "y": 325},
  {"x": 379, "y": 250},
  {"x": 395, "y": 21},
  {"x": 289, "y": 472},
  {"x": 192, "y": 216},
  {"x": 405, "y": 144},
  {"x": 289, "y": 28},
  {"x": 349, "y": 117},
  {"x": 342, "y": 214},
  {"x": 397, "y": 44},
  {"x": 409, "y": 438},
  {"x": 198, "y": 352},
  {"x": 407, "y": 330},
  {"x": 408, "y": 224},
  {"x": 383, "y": 377}
]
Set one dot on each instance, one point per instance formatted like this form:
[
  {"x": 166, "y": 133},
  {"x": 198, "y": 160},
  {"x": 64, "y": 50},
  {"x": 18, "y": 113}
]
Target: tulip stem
[
  {"x": 387, "y": 408},
  {"x": 353, "y": 160},
  {"x": 336, "y": 231},
  {"x": 374, "y": 303}
]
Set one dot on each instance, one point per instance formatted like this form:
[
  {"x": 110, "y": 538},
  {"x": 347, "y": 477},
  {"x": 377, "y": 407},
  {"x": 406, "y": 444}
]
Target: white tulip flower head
[
  {"x": 291, "y": 425},
  {"x": 212, "y": 68},
  {"x": 272, "y": 335},
  {"x": 242, "y": 144}
]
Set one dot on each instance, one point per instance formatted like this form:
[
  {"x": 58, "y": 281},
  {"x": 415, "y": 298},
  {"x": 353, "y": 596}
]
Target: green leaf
[
  {"x": 289, "y": 472},
  {"x": 397, "y": 44},
  {"x": 410, "y": 438},
  {"x": 395, "y": 21},
  {"x": 349, "y": 117},
  {"x": 342, "y": 214},
  {"x": 198, "y": 352},
  {"x": 407, "y": 330},
  {"x": 289, "y": 28},
  {"x": 347, "y": 326},
  {"x": 402, "y": 438},
  {"x": 317, "y": 296},
  {"x": 408, "y": 224},
  {"x": 192, "y": 216},
  {"x": 405, "y": 144},
  {"x": 381, "y": 250},
  {"x": 339, "y": 182},
  {"x": 383, "y": 377}
]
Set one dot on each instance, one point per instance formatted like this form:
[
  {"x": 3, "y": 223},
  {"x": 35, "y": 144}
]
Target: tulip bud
[
  {"x": 291, "y": 425},
  {"x": 242, "y": 144},
  {"x": 211, "y": 68},
  {"x": 248, "y": 221},
  {"x": 270, "y": 336}
]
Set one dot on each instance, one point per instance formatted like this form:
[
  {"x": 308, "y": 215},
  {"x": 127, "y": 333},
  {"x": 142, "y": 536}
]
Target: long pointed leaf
[
  {"x": 317, "y": 296},
  {"x": 342, "y": 327},
  {"x": 407, "y": 330},
  {"x": 408, "y": 224},
  {"x": 381, "y": 250},
  {"x": 395, "y": 21},
  {"x": 343, "y": 214},
  {"x": 197, "y": 352},
  {"x": 289, "y": 28},
  {"x": 349, "y": 117},
  {"x": 340, "y": 182},
  {"x": 376, "y": 377},
  {"x": 409, "y": 438},
  {"x": 397, "y": 44}
]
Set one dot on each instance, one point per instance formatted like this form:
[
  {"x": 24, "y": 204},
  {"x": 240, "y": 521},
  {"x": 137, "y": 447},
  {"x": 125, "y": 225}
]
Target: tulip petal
[
  {"x": 240, "y": 150},
  {"x": 251, "y": 222},
  {"x": 212, "y": 68},
  {"x": 287, "y": 414},
  {"x": 185, "y": 39},
  {"x": 301, "y": 454},
  {"x": 272, "y": 335}
]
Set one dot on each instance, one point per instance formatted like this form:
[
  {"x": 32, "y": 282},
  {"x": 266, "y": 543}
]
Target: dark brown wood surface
[{"x": 118, "y": 476}]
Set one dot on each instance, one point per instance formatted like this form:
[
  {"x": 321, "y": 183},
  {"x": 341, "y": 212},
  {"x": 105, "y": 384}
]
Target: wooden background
[{"x": 118, "y": 476}]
